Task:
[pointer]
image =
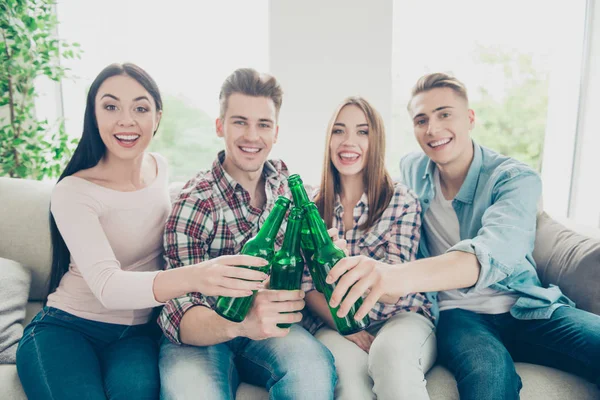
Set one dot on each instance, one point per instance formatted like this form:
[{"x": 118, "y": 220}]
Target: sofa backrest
[
  {"x": 24, "y": 229},
  {"x": 25, "y": 238}
]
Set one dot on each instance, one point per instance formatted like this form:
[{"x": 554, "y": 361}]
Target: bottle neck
[
  {"x": 318, "y": 229},
  {"x": 299, "y": 194},
  {"x": 272, "y": 224},
  {"x": 291, "y": 242}
]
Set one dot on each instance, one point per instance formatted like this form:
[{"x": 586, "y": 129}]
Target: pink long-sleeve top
[{"x": 116, "y": 244}]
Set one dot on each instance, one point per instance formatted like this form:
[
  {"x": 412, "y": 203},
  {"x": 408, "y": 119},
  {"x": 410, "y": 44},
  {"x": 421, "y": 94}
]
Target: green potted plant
[{"x": 29, "y": 48}]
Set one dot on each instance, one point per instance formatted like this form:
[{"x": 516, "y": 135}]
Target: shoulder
[
  {"x": 404, "y": 200},
  {"x": 500, "y": 169},
  {"x": 413, "y": 165},
  {"x": 402, "y": 194},
  {"x": 73, "y": 192},
  {"x": 161, "y": 161}
]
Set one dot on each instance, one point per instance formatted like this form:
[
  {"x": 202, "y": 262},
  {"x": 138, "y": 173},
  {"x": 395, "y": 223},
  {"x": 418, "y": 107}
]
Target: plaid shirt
[
  {"x": 211, "y": 217},
  {"x": 394, "y": 238}
]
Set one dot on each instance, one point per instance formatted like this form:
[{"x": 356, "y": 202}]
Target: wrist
[{"x": 400, "y": 284}]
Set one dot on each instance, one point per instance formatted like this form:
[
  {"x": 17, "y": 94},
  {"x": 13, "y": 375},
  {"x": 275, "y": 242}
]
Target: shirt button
[{"x": 426, "y": 200}]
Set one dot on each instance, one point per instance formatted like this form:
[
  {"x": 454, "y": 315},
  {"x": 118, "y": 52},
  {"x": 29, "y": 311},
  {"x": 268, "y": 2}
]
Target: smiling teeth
[
  {"x": 439, "y": 142},
  {"x": 127, "y": 137},
  {"x": 350, "y": 156},
  {"x": 250, "y": 149}
]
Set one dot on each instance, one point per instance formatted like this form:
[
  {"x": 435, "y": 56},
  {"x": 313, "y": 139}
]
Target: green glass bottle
[
  {"x": 308, "y": 246},
  {"x": 261, "y": 245},
  {"x": 288, "y": 265},
  {"x": 325, "y": 257}
]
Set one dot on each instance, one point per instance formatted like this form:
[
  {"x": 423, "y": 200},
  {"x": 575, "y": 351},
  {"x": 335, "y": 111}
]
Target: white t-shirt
[{"x": 442, "y": 230}]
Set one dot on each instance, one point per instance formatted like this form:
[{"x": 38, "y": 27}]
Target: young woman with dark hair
[{"x": 94, "y": 338}]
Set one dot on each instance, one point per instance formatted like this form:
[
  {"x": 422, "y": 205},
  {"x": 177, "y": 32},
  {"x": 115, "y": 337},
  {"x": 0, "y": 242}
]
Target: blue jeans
[
  {"x": 479, "y": 349},
  {"x": 65, "y": 357},
  {"x": 293, "y": 367}
]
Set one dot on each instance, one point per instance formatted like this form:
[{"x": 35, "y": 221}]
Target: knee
[
  {"x": 316, "y": 374},
  {"x": 493, "y": 369}
]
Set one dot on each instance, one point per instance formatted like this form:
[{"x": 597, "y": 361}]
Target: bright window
[
  {"x": 187, "y": 47},
  {"x": 507, "y": 53}
]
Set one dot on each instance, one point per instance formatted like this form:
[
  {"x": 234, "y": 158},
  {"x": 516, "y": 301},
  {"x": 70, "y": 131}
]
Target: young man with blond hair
[
  {"x": 204, "y": 355},
  {"x": 479, "y": 220}
]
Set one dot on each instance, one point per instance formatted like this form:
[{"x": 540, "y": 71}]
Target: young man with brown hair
[
  {"x": 479, "y": 220},
  {"x": 204, "y": 355}
]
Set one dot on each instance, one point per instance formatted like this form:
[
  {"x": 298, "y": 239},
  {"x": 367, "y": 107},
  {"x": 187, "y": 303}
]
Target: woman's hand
[
  {"x": 221, "y": 276},
  {"x": 362, "y": 339}
]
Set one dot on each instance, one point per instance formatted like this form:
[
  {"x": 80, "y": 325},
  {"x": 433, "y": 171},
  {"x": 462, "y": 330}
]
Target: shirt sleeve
[
  {"x": 405, "y": 230},
  {"x": 188, "y": 232},
  {"x": 507, "y": 233},
  {"x": 76, "y": 214}
]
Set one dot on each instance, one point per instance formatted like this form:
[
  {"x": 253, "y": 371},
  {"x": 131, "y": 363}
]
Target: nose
[
  {"x": 349, "y": 139},
  {"x": 432, "y": 127},
  {"x": 251, "y": 133},
  {"x": 126, "y": 119}
]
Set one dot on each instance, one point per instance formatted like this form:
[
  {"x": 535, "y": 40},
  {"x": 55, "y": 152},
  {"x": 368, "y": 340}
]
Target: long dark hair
[{"x": 90, "y": 151}]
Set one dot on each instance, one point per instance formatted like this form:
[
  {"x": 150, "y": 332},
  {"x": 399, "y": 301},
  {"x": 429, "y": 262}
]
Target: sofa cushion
[
  {"x": 569, "y": 260},
  {"x": 14, "y": 290},
  {"x": 25, "y": 229}
]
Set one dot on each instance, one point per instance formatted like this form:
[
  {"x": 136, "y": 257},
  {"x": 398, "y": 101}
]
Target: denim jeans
[
  {"x": 62, "y": 356},
  {"x": 295, "y": 367},
  {"x": 479, "y": 349}
]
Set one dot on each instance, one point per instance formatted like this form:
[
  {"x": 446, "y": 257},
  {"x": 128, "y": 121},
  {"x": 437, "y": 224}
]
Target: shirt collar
[
  {"x": 228, "y": 186},
  {"x": 466, "y": 194},
  {"x": 362, "y": 202}
]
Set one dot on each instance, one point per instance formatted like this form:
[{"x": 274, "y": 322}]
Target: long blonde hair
[{"x": 377, "y": 180}]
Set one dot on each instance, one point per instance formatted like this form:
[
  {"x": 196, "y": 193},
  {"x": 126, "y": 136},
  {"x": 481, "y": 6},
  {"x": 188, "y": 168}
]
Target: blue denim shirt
[{"x": 496, "y": 208}]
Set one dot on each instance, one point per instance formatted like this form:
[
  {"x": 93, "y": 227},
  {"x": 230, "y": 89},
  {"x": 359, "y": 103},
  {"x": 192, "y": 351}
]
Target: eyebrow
[
  {"x": 344, "y": 125},
  {"x": 434, "y": 111},
  {"x": 117, "y": 99},
  {"x": 246, "y": 119}
]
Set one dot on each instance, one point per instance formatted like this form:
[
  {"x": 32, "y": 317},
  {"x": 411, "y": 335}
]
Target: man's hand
[
  {"x": 356, "y": 276},
  {"x": 268, "y": 310},
  {"x": 221, "y": 276},
  {"x": 362, "y": 339}
]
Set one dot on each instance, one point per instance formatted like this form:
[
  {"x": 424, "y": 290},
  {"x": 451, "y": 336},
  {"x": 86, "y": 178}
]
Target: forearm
[
  {"x": 317, "y": 303},
  {"x": 201, "y": 326},
  {"x": 453, "y": 270},
  {"x": 172, "y": 283}
]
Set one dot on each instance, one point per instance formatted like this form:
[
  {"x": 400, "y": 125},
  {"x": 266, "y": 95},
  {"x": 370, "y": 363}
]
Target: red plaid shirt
[
  {"x": 394, "y": 238},
  {"x": 211, "y": 217}
]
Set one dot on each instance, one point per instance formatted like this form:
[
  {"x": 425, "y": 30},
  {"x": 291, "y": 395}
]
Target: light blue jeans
[{"x": 293, "y": 367}]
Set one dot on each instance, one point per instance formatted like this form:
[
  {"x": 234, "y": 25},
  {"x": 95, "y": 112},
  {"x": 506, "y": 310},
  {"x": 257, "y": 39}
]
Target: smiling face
[
  {"x": 349, "y": 141},
  {"x": 249, "y": 128},
  {"x": 442, "y": 122},
  {"x": 126, "y": 116}
]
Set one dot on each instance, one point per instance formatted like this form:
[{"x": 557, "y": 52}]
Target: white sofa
[{"x": 25, "y": 238}]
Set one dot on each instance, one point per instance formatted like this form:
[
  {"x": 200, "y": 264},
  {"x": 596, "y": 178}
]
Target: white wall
[{"x": 322, "y": 52}]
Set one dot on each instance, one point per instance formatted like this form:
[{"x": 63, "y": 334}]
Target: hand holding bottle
[
  {"x": 272, "y": 307},
  {"x": 222, "y": 276}
]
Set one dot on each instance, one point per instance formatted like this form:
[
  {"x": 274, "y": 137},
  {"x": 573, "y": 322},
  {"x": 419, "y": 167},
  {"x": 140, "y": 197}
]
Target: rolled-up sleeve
[
  {"x": 187, "y": 234},
  {"x": 507, "y": 233}
]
